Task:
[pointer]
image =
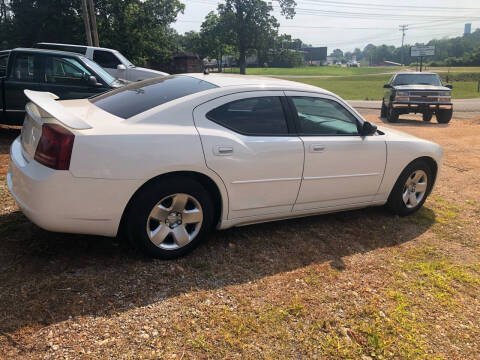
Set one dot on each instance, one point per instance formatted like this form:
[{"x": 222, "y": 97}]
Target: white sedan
[{"x": 166, "y": 159}]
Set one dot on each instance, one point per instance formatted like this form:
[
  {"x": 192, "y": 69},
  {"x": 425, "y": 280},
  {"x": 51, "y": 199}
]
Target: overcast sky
[{"x": 347, "y": 24}]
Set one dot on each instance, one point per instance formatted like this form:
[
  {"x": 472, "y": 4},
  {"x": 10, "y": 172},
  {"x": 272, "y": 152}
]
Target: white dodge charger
[{"x": 166, "y": 159}]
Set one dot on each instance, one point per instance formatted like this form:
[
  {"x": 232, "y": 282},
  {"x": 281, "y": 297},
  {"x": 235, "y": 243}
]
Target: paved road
[{"x": 459, "y": 105}]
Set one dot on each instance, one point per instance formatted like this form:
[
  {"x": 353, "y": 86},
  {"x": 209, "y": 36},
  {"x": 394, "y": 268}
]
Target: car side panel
[
  {"x": 401, "y": 151},
  {"x": 121, "y": 150}
]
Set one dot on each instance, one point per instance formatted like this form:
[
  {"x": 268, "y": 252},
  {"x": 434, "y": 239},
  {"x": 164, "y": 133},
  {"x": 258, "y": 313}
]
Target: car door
[
  {"x": 68, "y": 78},
  {"x": 341, "y": 167},
  {"x": 109, "y": 62},
  {"x": 248, "y": 142},
  {"x": 24, "y": 73}
]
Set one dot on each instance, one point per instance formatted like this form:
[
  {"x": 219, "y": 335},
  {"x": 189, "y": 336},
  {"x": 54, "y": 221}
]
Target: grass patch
[
  {"x": 316, "y": 70},
  {"x": 371, "y": 87}
]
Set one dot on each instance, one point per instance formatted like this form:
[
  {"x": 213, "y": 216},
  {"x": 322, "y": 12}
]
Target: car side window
[
  {"x": 252, "y": 116},
  {"x": 65, "y": 71},
  {"x": 318, "y": 116},
  {"x": 106, "y": 59},
  {"x": 24, "y": 67}
]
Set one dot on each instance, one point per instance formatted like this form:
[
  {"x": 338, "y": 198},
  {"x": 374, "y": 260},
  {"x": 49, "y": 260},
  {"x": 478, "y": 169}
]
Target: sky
[{"x": 347, "y": 24}]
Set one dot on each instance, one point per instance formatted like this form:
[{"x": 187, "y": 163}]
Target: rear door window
[
  {"x": 138, "y": 97},
  {"x": 106, "y": 59},
  {"x": 25, "y": 67},
  {"x": 261, "y": 116}
]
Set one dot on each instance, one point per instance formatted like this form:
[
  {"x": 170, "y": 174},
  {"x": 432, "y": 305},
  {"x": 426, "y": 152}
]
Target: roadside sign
[{"x": 422, "y": 50}]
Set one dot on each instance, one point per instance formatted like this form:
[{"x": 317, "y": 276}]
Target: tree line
[
  {"x": 459, "y": 51},
  {"x": 141, "y": 30}
]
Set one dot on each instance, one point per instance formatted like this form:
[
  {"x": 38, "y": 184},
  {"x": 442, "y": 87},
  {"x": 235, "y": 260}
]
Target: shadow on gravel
[
  {"x": 47, "y": 277},
  {"x": 403, "y": 121},
  {"x": 7, "y": 135}
]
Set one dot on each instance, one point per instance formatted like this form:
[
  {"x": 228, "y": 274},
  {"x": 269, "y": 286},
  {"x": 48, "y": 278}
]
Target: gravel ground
[{"x": 361, "y": 284}]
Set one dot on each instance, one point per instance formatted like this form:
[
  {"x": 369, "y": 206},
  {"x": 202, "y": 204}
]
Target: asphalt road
[{"x": 459, "y": 105}]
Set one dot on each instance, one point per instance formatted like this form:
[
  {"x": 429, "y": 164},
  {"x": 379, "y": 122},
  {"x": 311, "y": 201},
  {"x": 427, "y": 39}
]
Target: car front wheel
[
  {"x": 411, "y": 189},
  {"x": 444, "y": 116},
  {"x": 427, "y": 116},
  {"x": 169, "y": 217},
  {"x": 383, "y": 111},
  {"x": 392, "y": 114}
]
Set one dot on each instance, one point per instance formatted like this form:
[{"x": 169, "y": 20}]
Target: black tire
[
  {"x": 395, "y": 201},
  {"x": 444, "y": 116},
  {"x": 383, "y": 111},
  {"x": 148, "y": 197},
  {"x": 392, "y": 115},
  {"x": 427, "y": 116}
]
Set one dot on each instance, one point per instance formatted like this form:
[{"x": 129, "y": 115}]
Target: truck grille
[{"x": 425, "y": 93}]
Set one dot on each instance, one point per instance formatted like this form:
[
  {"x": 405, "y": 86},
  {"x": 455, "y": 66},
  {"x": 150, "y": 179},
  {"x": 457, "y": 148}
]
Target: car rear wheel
[
  {"x": 444, "y": 116},
  {"x": 392, "y": 114},
  {"x": 411, "y": 189},
  {"x": 169, "y": 218},
  {"x": 427, "y": 116}
]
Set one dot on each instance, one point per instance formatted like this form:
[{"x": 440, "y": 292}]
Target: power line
[
  {"x": 384, "y": 6},
  {"x": 403, "y": 28}
]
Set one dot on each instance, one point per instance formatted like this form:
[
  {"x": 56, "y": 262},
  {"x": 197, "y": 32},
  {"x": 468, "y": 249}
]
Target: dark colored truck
[
  {"x": 417, "y": 92},
  {"x": 67, "y": 75}
]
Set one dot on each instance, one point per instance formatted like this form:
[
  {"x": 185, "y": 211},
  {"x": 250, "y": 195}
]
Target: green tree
[
  {"x": 215, "y": 37},
  {"x": 250, "y": 20}
]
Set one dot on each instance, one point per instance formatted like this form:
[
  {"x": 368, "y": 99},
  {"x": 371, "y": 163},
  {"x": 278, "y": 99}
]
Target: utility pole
[
  {"x": 86, "y": 22},
  {"x": 403, "y": 28},
  {"x": 93, "y": 18}
]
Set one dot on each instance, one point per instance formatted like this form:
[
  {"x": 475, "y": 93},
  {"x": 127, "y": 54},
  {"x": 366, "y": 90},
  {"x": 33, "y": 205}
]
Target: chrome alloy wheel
[
  {"x": 415, "y": 188},
  {"x": 174, "y": 221}
]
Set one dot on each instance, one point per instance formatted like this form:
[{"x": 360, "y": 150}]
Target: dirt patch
[{"x": 360, "y": 284}]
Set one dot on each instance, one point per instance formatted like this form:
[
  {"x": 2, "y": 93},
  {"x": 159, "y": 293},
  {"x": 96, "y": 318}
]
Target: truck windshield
[
  {"x": 423, "y": 79},
  {"x": 109, "y": 79}
]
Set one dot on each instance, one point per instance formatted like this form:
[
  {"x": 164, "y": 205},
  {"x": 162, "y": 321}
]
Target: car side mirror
[
  {"x": 449, "y": 86},
  {"x": 121, "y": 67},
  {"x": 368, "y": 129},
  {"x": 387, "y": 86},
  {"x": 92, "y": 81}
]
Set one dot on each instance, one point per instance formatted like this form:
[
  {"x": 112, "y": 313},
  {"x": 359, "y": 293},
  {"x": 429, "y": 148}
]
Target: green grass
[
  {"x": 371, "y": 87},
  {"x": 317, "y": 71}
]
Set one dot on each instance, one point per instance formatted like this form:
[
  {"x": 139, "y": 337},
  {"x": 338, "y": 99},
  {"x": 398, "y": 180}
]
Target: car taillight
[{"x": 55, "y": 146}]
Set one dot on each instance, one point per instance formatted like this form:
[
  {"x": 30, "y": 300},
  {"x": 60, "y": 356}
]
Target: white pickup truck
[{"x": 111, "y": 60}]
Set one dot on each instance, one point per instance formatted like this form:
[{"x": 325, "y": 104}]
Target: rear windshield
[
  {"x": 423, "y": 79},
  {"x": 141, "y": 96}
]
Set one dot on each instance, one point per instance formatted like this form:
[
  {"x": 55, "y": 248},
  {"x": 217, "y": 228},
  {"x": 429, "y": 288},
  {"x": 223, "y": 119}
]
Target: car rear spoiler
[{"x": 45, "y": 101}]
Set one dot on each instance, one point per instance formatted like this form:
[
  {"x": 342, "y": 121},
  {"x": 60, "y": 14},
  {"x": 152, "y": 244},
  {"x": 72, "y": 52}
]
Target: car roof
[
  {"x": 227, "y": 80},
  {"x": 416, "y": 73},
  {"x": 48, "y": 51},
  {"x": 73, "y": 45}
]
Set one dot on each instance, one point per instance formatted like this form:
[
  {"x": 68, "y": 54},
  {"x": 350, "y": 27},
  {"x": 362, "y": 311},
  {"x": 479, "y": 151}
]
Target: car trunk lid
[{"x": 44, "y": 108}]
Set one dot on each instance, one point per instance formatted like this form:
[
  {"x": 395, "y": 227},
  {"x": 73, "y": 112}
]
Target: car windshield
[
  {"x": 141, "y": 96},
  {"x": 421, "y": 79},
  {"x": 109, "y": 79},
  {"x": 124, "y": 60}
]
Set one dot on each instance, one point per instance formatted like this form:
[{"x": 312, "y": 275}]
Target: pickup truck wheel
[
  {"x": 411, "y": 189},
  {"x": 444, "y": 116},
  {"x": 392, "y": 115},
  {"x": 169, "y": 217},
  {"x": 427, "y": 116},
  {"x": 383, "y": 111}
]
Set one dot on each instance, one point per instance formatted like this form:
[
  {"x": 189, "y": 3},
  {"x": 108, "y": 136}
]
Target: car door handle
[
  {"x": 223, "y": 150},
  {"x": 317, "y": 148}
]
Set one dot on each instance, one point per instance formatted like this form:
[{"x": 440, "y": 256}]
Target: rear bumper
[
  {"x": 58, "y": 201},
  {"x": 421, "y": 107}
]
